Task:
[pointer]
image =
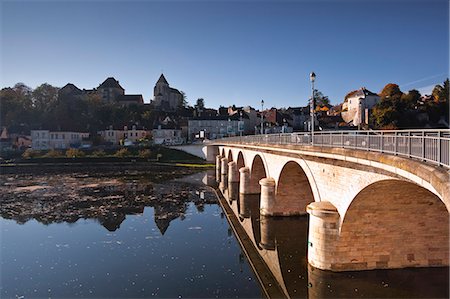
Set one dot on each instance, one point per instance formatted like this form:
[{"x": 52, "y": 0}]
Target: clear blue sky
[{"x": 236, "y": 52}]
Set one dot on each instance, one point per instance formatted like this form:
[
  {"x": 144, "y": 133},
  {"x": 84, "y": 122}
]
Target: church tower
[
  {"x": 161, "y": 87},
  {"x": 166, "y": 98}
]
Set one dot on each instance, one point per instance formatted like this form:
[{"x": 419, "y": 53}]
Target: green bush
[
  {"x": 29, "y": 154},
  {"x": 53, "y": 154},
  {"x": 123, "y": 152},
  {"x": 145, "y": 153},
  {"x": 98, "y": 153},
  {"x": 74, "y": 153}
]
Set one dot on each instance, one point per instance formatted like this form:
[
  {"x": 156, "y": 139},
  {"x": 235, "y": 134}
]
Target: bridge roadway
[{"x": 367, "y": 210}]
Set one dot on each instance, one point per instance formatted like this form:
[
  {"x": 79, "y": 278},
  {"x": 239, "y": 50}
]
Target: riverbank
[
  {"x": 122, "y": 166},
  {"x": 100, "y": 155}
]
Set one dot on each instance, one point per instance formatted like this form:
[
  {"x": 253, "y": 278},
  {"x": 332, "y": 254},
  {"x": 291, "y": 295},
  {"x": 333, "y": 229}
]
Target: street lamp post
[
  {"x": 312, "y": 78},
  {"x": 262, "y": 117},
  {"x": 240, "y": 123}
]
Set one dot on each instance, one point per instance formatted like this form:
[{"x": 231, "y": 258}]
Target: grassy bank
[{"x": 157, "y": 155}]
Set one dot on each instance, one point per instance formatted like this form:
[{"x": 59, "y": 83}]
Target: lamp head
[{"x": 312, "y": 77}]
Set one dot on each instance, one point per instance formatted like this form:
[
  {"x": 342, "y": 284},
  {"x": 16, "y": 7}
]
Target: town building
[
  {"x": 110, "y": 91},
  {"x": 300, "y": 117},
  {"x": 135, "y": 134},
  {"x": 45, "y": 139},
  {"x": 167, "y": 135},
  {"x": 123, "y": 136},
  {"x": 357, "y": 105},
  {"x": 165, "y": 97},
  {"x": 214, "y": 127},
  {"x": 111, "y": 135}
]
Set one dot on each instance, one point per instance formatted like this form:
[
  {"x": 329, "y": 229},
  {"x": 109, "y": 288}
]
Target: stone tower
[{"x": 165, "y": 97}]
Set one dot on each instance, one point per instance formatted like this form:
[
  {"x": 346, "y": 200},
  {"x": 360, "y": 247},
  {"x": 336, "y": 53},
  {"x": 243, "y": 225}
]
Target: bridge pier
[
  {"x": 244, "y": 181},
  {"x": 223, "y": 173},
  {"x": 233, "y": 173},
  {"x": 323, "y": 234},
  {"x": 267, "y": 204},
  {"x": 218, "y": 163}
]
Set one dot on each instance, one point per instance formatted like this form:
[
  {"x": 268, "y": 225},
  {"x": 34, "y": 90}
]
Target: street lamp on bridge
[
  {"x": 312, "y": 78},
  {"x": 262, "y": 117}
]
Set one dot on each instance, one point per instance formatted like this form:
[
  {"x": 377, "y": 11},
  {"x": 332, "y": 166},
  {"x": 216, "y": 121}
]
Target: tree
[
  {"x": 440, "y": 107},
  {"x": 16, "y": 111},
  {"x": 410, "y": 100},
  {"x": 320, "y": 99},
  {"x": 184, "y": 103},
  {"x": 391, "y": 90},
  {"x": 387, "y": 112},
  {"x": 200, "y": 105},
  {"x": 441, "y": 92},
  {"x": 44, "y": 97}
]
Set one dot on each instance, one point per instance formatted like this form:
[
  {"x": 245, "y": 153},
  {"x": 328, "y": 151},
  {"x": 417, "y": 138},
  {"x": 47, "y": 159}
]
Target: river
[
  {"x": 178, "y": 244},
  {"x": 161, "y": 233}
]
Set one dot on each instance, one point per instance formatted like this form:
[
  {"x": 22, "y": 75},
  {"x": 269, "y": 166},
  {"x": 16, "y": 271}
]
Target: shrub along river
[{"x": 158, "y": 231}]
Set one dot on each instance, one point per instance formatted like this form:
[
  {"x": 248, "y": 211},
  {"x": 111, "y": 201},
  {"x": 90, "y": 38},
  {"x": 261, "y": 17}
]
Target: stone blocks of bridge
[
  {"x": 233, "y": 172},
  {"x": 223, "y": 173},
  {"x": 323, "y": 234},
  {"x": 244, "y": 180},
  {"x": 267, "y": 204}
]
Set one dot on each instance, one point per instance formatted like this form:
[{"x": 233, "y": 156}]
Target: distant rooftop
[{"x": 110, "y": 82}]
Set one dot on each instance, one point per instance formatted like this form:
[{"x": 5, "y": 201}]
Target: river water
[
  {"x": 176, "y": 245},
  {"x": 104, "y": 234}
]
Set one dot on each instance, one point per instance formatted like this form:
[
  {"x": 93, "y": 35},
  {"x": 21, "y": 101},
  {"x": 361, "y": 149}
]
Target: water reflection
[
  {"x": 52, "y": 198},
  {"x": 282, "y": 243},
  {"x": 176, "y": 245}
]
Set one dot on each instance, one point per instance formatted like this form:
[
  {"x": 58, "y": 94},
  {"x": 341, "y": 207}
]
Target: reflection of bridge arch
[
  {"x": 257, "y": 172},
  {"x": 394, "y": 224},
  {"x": 223, "y": 152},
  {"x": 293, "y": 188}
]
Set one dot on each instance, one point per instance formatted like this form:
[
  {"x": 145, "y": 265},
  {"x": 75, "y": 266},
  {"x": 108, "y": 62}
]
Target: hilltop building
[
  {"x": 109, "y": 91},
  {"x": 356, "y": 106},
  {"x": 165, "y": 97}
]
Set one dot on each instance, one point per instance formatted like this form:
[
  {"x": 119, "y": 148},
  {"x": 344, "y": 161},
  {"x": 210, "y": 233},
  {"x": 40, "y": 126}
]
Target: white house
[
  {"x": 45, "y": 139},
  {"x": 356, "y": 104}
]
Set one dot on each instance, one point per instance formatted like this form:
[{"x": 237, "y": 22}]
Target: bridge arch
[
  {"x": 257, "y": 172},
  {"x": 394, "y": 224},
  {"x": 222, "y": 153},
  {"x": 240, "y": 160},
  {"x": 293, "y": 188},
  {"x": 230, "y": 155}
]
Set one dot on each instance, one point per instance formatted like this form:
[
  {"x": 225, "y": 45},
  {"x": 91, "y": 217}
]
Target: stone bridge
[{"x": 367, "y": 209}]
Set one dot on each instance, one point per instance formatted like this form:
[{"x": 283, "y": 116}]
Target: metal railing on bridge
[{"x": 427, "y": 145}]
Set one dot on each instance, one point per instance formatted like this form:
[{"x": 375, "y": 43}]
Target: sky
[{"x": 234, "y": 52}]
